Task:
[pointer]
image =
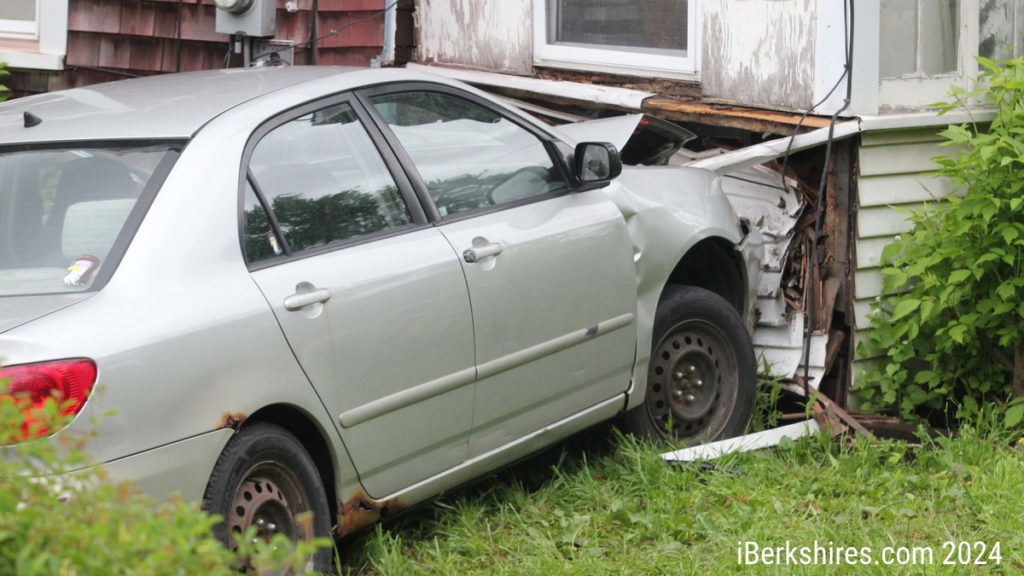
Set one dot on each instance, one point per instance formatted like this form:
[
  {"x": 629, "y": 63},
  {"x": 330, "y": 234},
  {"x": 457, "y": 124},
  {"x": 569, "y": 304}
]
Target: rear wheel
[
  {"x": 701, "y": 379},
  {"x": 266, "y": 479}
]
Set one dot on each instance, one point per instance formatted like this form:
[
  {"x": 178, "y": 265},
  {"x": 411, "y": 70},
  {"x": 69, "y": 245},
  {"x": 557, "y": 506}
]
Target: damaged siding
[
  {"x": 759, "y": 53},
  {"x": 894, "y": 178},
  {"x": 493, "y": 36}
]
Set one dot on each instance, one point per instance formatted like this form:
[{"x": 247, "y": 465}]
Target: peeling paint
[
  {"x": 489, "y": 35},
  {"x": 759, "y": 53}
]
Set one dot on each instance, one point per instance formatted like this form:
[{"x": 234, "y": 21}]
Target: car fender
[{"x": 668, "y": 210}]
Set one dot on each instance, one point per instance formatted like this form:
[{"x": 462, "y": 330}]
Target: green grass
[{"x": 606, "y": 504}]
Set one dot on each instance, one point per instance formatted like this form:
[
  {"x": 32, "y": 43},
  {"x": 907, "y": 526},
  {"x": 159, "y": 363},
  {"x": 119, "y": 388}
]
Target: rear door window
[
  {"x": 62, "y": 212},
  {"x": 324, "y": 182}
]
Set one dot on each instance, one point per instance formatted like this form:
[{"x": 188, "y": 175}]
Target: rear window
[{"x": 63, "y": 210}]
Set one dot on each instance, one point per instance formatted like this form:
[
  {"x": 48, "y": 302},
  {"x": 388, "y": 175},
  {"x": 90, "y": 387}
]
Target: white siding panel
[
  {"x": 901, "y": 188},
  {"x": 895, "y": 179},
  {"x": 898, "y": 137},
  {"x": 874, "y": 221},
  {"x": 869, "y": 252},
  {"x": 869, "y": 282},
  {"x": 901, "y": 159},
  {"x": 861, "y": 310}
]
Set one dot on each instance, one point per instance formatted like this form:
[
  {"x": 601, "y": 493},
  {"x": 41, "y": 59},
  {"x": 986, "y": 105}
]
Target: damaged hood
[
  {"x": 616, "y": 130},
  {"x": 642, "y": 140}
]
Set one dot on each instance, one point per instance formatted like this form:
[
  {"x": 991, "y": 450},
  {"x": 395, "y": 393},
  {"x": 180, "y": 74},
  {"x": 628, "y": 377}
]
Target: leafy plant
[
  {"x": 952, "y": 332},
  {"x": 59, "y": 515},
  {"x": 5, "y": 92}
]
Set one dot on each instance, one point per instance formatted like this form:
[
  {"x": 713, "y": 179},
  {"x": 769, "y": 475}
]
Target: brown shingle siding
[{"x": 142, "y": 37}]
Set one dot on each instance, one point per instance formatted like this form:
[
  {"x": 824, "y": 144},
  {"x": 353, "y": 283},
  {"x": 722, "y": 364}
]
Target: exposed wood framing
[
  {"x": 603, "y": 92},
  {"x": 752, "y": 119}
]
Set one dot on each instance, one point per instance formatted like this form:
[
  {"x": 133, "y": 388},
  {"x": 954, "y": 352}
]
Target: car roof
[{"x": 154, "y": 107}]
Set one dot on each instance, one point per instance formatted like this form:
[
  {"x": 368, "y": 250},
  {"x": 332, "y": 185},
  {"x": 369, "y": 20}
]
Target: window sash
[
  {"x": 10, "y": 28},
  {"x": 616, "y": 59}
]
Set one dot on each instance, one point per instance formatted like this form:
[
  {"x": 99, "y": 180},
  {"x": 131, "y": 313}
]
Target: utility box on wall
[{"x": 248, "y": 17}]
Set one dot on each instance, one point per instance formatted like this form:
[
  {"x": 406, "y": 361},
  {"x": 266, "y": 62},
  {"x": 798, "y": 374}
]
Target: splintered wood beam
[{"x": 752, "y": 119}]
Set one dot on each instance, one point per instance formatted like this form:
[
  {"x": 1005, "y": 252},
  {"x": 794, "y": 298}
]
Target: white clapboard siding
[{"x": 895, "y": 178}]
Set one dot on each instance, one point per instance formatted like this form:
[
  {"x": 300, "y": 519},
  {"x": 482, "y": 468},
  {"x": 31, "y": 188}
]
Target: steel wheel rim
[
  {"x": 692, "y": 382},
  {"x": 269, "y": 498}
]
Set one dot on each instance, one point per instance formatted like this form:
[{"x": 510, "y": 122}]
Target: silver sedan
[{"x": 344, "y": 291}]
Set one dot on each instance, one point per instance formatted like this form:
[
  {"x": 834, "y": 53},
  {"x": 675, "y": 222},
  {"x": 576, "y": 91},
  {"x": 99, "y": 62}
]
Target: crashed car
[{"x": 342, "y": 291}]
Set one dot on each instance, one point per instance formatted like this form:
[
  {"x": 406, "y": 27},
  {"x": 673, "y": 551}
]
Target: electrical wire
[
  {"x": 751, "y": 181},
  {"x": 848, "y": 27},
  {"x": 107, "y": 70}
]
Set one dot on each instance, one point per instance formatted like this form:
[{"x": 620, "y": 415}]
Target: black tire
[
  {"x": 701, "y": 379},
  {"x": 265, "y": 477}
]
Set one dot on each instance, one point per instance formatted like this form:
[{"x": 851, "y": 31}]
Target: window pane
[
  {"x": 641, "y": 25},
  {"x": 260, "y": 241},
  {"x": 18, "y": 10},
  {"x": 919, "y": 37},
  {"x": 61, "y": 210},
  {"x": 940, "y": 34},
  {"x": 469, "y": 157},
  {"x": 898, "y": 49},
  {"x": 995, "y": 38},
  {"x": 325, "y": 180}
]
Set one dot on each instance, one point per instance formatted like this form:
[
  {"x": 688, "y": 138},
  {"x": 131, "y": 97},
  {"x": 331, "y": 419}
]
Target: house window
[
  {"x": 1001, "y": 27},
  {"x": 927, "y": 46},
  {"x": 33, "y": 33},
  {"x": 639, "y": 37},
  {"x": 19, "y": 18},
  {"x": 919, "y": 38}
]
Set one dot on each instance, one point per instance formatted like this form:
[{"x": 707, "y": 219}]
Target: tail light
[{"x": 68, "y": 382}]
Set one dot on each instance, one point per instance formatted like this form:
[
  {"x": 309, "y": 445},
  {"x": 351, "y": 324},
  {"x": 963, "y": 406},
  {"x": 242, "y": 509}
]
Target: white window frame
[
  {"x": 920, "y": 90},
  {"x": 633, "y": 62},
  {"x": 42, "y": 47},
  {"x": 21, "y": 29}
]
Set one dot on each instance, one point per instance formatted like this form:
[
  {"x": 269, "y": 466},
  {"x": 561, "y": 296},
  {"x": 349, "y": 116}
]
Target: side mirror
[{"x": 595, "y": 164}]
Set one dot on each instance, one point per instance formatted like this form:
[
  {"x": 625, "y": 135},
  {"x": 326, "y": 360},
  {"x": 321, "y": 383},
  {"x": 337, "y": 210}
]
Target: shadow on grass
[{"x": 530, "y": 474}]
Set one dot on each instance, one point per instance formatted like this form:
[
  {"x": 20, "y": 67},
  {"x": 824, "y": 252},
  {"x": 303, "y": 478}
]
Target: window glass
[
  {"x": 469, "y": 157},
  {"x": 996, "y": 29},
  {"x": 261, "y": 243},
  {"x": 919, "y": 37},
  {"x": 657, "y": 26},
  {"x": 18, "y": 10},
  {"x": 61, "y": 211},
  {"x": 325, "y": 181}
]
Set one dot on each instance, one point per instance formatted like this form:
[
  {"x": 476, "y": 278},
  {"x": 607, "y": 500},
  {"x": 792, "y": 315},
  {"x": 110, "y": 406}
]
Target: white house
[{"x": 746, "y": 71}]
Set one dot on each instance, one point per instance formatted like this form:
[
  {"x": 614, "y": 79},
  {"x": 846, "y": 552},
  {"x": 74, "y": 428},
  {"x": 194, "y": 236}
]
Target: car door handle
[
  {"x": 300, "y": 300},
  {"x": 478, "y": 253}
]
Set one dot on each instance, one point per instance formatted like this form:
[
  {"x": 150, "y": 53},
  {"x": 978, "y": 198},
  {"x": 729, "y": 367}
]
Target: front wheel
[
  {"x": 266, "y": 479},
  {"x": 701, "y": 378}
]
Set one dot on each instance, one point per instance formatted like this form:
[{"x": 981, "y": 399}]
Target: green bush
[
  {"x": 57, "y": 522},
  {"x": 5, "y": 92},
  {"x": 952, "y": 332}
]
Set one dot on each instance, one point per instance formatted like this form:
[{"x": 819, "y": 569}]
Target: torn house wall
[
  {"x": 757, "y": 195},
  {"x": 759, "y": 53},
  {"x": 494, "y": 36}
]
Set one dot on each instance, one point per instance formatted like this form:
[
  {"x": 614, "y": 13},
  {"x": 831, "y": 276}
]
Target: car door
[
  {"x": 550, "y": 271},
  {"x": 370, "y": 297}
]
